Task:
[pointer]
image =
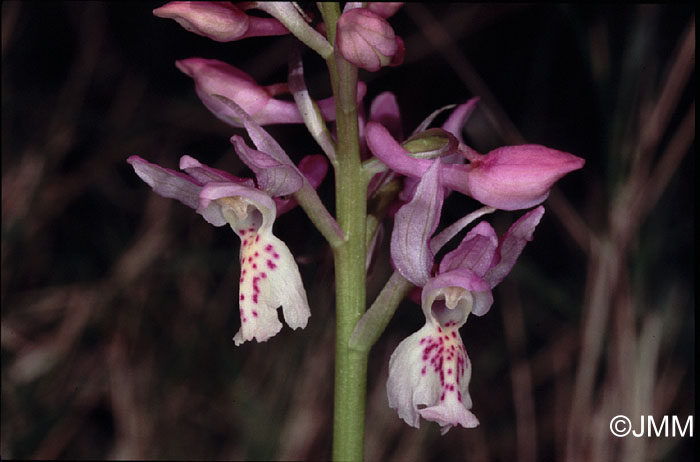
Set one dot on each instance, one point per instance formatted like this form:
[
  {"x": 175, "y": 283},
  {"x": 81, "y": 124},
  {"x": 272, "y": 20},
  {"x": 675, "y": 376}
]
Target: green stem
[
  {"x": 380, "y": 313},
  {"x": 350, "y": 276}
]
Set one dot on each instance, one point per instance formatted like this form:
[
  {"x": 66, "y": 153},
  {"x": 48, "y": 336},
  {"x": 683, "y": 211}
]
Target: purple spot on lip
[{"x": 271, "y": 265}]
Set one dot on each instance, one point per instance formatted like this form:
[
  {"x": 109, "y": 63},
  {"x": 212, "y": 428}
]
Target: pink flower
[
  {"x": 269, "y": 274},
  {"x": 220, "y": 21},
  {"x": 367, "y": 40},
  {"x": 429, "y": 371}
]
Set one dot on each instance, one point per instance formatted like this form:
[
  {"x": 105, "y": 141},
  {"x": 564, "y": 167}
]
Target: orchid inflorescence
[{"x": 429, "y": 372}]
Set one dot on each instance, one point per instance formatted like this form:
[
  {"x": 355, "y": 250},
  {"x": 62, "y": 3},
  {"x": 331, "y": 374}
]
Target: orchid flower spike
[
  {"x": 367, "y": 40},
  {"x": 269, "y": 274},
  {"x": 429, "y": 371},
  {"x": 220, "y": 21}
]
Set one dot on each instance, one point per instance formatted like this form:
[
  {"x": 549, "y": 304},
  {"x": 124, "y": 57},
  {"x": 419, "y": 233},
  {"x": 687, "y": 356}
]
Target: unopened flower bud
[
  {"x": 220, "y": 21},
  {"x": 367, "y": 40},
  {"x": 212, "y": 77},
  {"x": 518, "y": 177},
  {"x": 215, "y": 79}
]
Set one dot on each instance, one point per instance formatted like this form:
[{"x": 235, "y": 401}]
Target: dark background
[{"x": 118, "y": 306}]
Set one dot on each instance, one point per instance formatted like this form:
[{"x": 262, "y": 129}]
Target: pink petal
[
  {"x": 455, "y": 122},
  {"x": 414, "y": 224},
  {"x": 385, "y": 110},
  {"x": 166, "y": 182},
  {"x": 512, "y": 244},
  {"x": 275, "y": 178},
  {"x": 205, "y": 174},
  {"x": 476, "y": 251}
]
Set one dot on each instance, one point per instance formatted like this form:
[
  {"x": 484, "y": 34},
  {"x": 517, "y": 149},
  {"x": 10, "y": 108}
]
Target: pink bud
[
  {"x": 220, "y": 21},
  {"x": 518, "y": 177},
  {"x": 213, "y": 77},
  {"x": 367, "y": 40}
]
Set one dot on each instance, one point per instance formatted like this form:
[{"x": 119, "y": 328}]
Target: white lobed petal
[
  {"x": 269, "y": 279},
  {"x": 429, "y": 375}
]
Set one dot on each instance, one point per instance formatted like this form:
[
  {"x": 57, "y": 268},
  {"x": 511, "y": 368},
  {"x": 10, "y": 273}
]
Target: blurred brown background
[{"x": 118, "y": 306}]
